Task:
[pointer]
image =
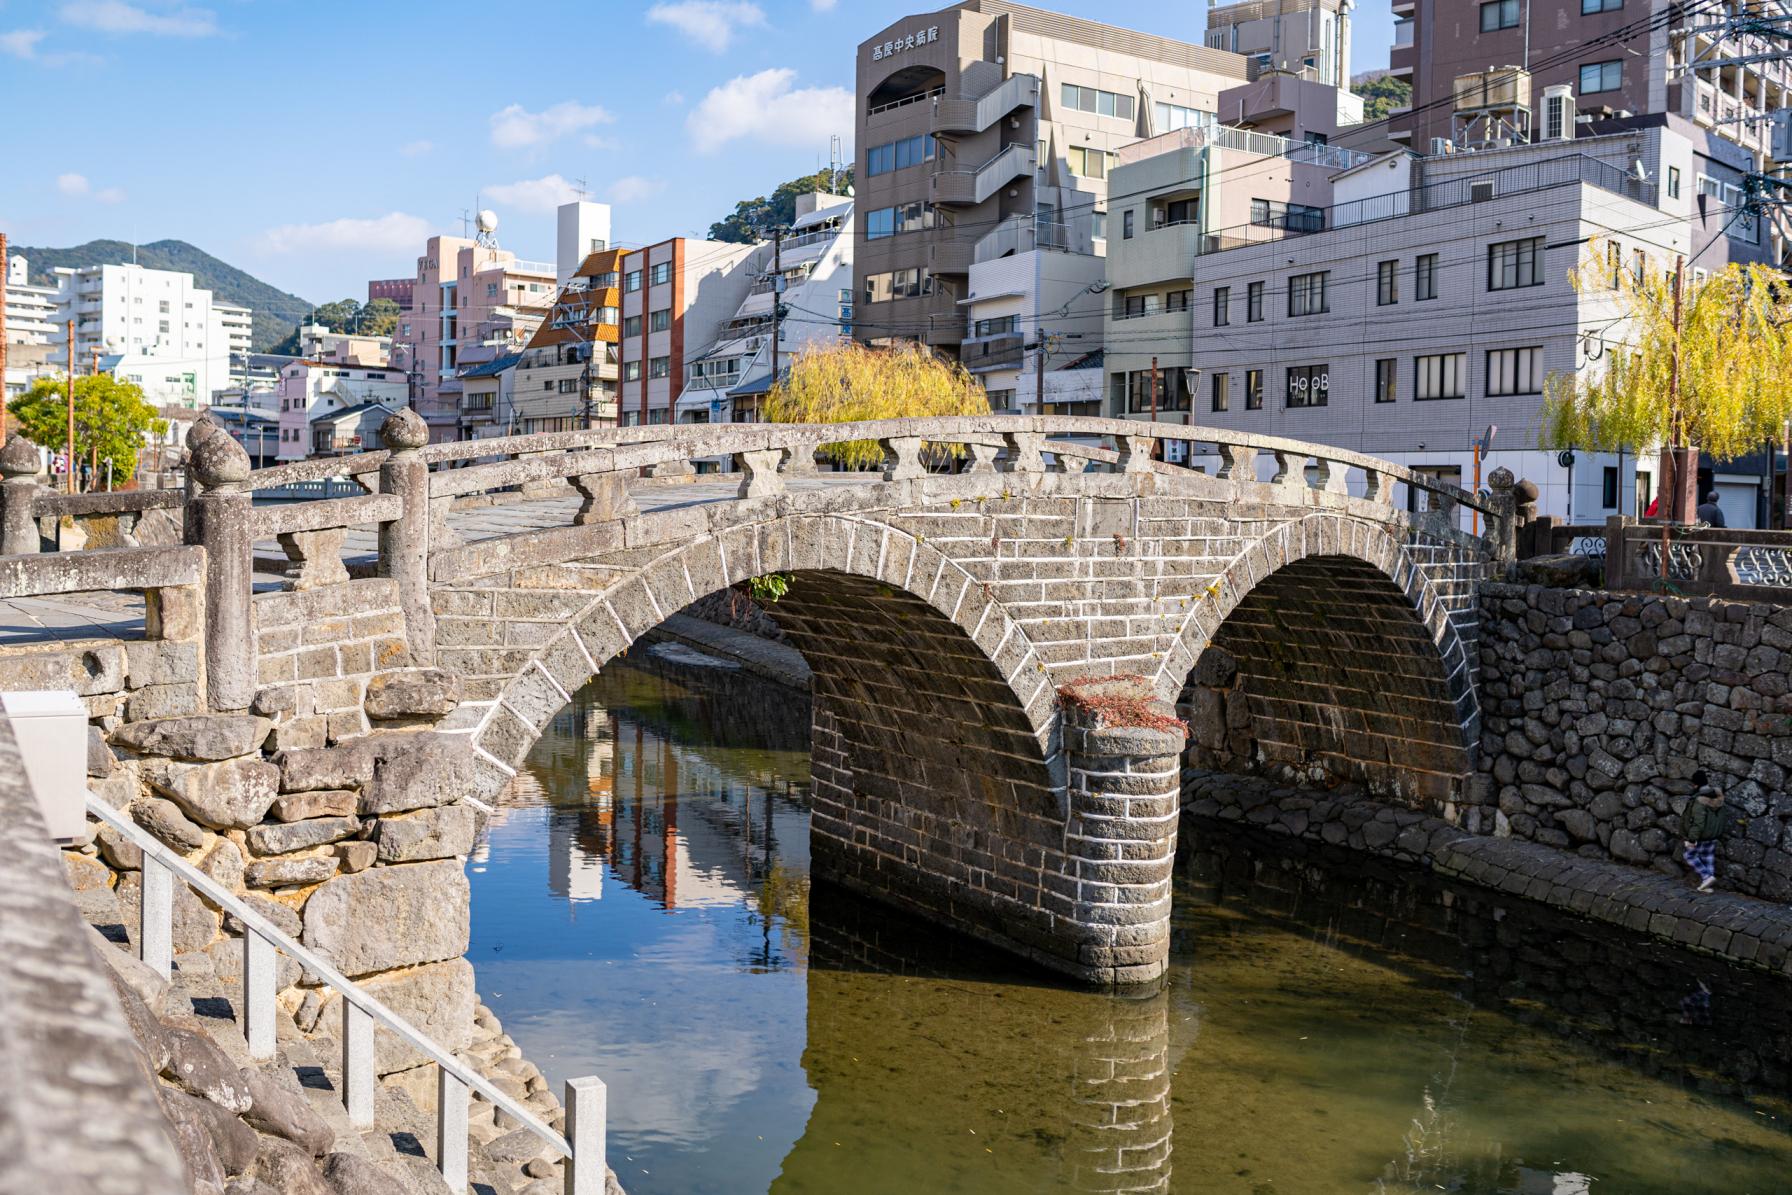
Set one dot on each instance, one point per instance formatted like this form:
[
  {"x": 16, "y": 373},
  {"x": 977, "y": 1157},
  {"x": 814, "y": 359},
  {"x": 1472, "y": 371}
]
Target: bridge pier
[{"x": 1089, "y": 899}]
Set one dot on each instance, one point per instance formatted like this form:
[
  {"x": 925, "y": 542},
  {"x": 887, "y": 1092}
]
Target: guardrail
[
  {"x": 583, "y": 1146},
  {"x": 1702, "y": 560}
]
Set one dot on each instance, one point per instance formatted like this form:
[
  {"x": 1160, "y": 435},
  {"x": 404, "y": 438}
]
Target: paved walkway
[{"x": 119, "y": 615}]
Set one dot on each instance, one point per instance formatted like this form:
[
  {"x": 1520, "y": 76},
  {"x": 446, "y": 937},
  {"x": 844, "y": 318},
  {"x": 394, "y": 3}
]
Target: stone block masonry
[{"x": 1599, "y": 707}]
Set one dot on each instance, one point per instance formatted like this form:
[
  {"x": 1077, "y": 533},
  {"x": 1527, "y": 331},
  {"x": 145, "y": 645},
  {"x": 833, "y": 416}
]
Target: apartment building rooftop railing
[
  {"x": 1560, "y": 171},
  {"x": 917, "y": 98}
]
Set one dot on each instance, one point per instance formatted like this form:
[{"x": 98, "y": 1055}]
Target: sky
[{"x": 316, "y": 143}]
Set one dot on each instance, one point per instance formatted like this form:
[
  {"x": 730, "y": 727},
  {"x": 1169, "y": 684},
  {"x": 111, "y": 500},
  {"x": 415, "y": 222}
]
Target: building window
[
  {"x": 1439, "y": 376},
  {"x": 1308, "y": 385},
  {"x": 631, "y": 371},
  {"x": 1000, "y": 400},
  {"x": 898, "y": 284},
  {"x": 631, "y": 325},
  {"x": 1673, "y": 182},
  {"x": 1512, "y": 264},
  {"x": 1387, "y": 283},
  {"x": 1291, "y": 217},
  {"x": 1500, "y": 14},
  {"x": 1001, "y": 325},
  {"x": 1253, "y": 389},
  {"x": 1098, "y": 226},
  {"x": 905, "y": 217},
  {"x": 1589, "y": 7},
  {"x": 1222, "y": 306},
  {"x": 1137, "y": 306},
  {"x": 1608, "y": 487},
  {"x": 1090, "y": 163},
  {"x": 1385, "y": 371},
  {"x": 1134, "y": 391},
  {"x": 1222, "y": 391},
  {"x": 1167, "y": 118},
  {"x": 1253, "y": 303},
  {"x": 659, "y": 321},
  {"x": 631, "y": 281},
  {"x": 898, "y": 155},
  {"x": 1512, "y": 371},
  {"x": 1424, "y": 276},
  {"x": 1102, "y": 103},
  {"x": 1306, "y": 294},
  {"x": 1178, "y": 300},
  {"x": 1126, "y": 225},
  {"x": 659, "y": 367},
  {"x": 1601, "y": 76}
]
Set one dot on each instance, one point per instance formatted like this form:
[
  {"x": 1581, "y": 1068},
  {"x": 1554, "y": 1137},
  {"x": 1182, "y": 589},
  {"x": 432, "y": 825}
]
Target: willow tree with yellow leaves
[
  {"x": 1703, "y": 367},
  {"x": 847, "y": 383}
]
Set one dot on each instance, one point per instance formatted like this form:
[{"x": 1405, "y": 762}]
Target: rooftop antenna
[
  {"x": 579, "y": 188},
  {"x": 834, "y": 164},
  {"x": 466, "y": 221}
]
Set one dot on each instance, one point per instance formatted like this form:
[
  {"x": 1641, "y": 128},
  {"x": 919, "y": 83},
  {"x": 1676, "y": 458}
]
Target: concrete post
[
  {"x": 1616, "y": 551},
  {"x": 217, "y": 519},
  {"x": 18, "y": 493},
  {"x": 404, "y": 543},
  {"x": 1502, "y": 525},
  {"x": 1124, "y": 795}
]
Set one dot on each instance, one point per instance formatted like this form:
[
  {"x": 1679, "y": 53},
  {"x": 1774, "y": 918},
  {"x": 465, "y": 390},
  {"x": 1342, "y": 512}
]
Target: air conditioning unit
[
  {"x": 1558, "y": 117},
  {"x": 1481, "y": 191},
  {"x": 1441, "y": 146},
  {"x": 1781, "y": 138}
]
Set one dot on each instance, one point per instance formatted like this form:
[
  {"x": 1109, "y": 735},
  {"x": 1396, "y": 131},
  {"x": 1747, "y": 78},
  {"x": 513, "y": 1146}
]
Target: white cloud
[
  {"x": 72, "y": 184},
  {"x": 394, "y": 232},
  {"x": 415, "y": 149},
  {"x": 21, "y": 43},
  {"x": 596, "y": 142},
  {"x": 110, "y": 195},
  {"x": 711, "y": 23},
  {"x": 533, "y": 194},
  {"x": 633, "y": 188},
  {"x": 675, "y": 98},
  {"x": 516, "y": 127},
  {"x": 763, "y": 107},
  {"x": 116, "y": 16}
]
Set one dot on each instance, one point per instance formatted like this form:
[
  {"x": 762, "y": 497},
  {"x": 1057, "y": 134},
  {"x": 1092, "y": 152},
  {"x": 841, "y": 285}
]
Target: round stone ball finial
[
  {"x": 19, "y": 457},
  {"x": 404, "y": 430},
  {"x": 216, "y": 460},
  {"x": 202, "y": 428},
  {"x": 1501, "y": 479}
]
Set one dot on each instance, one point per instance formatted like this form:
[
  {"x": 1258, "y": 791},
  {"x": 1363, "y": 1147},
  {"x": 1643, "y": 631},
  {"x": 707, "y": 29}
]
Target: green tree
[
  {"x": 846, "y": 383},
  {"x": 751, "y": 216},
  {"x": 111, "y": 419},
  {"x": 1381, "y": 95},
  {"x": 378, "y": 318},
  {"x": 338, "y": 316}
]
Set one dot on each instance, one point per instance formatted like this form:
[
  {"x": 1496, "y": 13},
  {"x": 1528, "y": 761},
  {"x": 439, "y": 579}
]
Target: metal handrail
[{"x": 585, "y": 1111}]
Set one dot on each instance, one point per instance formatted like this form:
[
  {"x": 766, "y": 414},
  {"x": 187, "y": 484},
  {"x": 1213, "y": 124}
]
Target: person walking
[
  {"x": 1709, "y": 511},
  {"x": 1703, "y": 823}
]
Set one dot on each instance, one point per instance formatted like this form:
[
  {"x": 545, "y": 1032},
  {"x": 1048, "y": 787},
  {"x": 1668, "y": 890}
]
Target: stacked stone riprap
[{"x": 1599, "y": 707}]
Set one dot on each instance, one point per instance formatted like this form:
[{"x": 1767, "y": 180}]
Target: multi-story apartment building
[
  {"x": 977, "y": 120},
  {"x": 30, "y": 310},
  {"x": 1034, "y": 325},
  {"x": 151, "y": 327},
  {"x": 310, "y": 390},
  {"x": 568, "y": 374},
  {"x": 1614, "y": 58},
  {"x": 471, "y": 302},
  {"x": 1309, "y": 37},
  {"x": 488, "y": 398},
  {"x": 237, "y": 323},
  {"x": 676, "y": 297},
  {"x": 396, "y": 289},
  {"x": 1425, "y": 301},
  {"x": 811, "y": 275}
]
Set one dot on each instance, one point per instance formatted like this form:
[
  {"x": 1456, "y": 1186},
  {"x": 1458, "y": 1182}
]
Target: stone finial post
[
  {"x": 1123, "y": 748},
  {"x": 217, "y": 519},
  {"x": 404, "y": 543},
  {"x": 18, "y": 494},
  {"x": 1502, "y": 525},
  {"x": 201, "y": 429}
]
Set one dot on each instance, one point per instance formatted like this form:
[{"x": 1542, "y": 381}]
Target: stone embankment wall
[{"x": 1598, "y": 707}]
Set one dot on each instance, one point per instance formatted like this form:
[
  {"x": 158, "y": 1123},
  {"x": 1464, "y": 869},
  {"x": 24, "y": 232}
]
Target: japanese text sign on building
[{"x": 889, "y": 48}]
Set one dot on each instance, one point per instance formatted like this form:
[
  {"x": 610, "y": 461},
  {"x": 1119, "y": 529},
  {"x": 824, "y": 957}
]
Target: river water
[{"x": 643, "y": 911}]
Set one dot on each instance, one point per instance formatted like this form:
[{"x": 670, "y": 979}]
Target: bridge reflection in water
[{"x": 1325, "y": 1027}]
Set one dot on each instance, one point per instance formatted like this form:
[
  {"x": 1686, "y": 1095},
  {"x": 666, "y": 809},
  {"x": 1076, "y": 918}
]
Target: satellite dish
[
  {"x": 488, "y": 220},
  {"x": 849, "y": 192}
]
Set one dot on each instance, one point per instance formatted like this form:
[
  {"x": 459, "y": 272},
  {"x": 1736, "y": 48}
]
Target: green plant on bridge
[
  {"x": 111, "y": 420},
  {"x": 768, "y": 587},
  {"x": 850, "y": 383}
]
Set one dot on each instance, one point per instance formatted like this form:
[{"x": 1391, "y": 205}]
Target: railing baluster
[
  {"x": 155, "y": 925},
  {"x": 357, "y": 1063},
  {"x": 759, "y": 473},
  {"x": 799, "y": 460},
  {"x": 587, "y": 1113},
  {"x": 1378, "y": 487},
  {"x": 451, "y": 1130},
  {"x": 1238, "y": 462},
  {"x": 1291, "y": 468},
  {"x": 902, "y": 458},
  {"x": 259, "y": 967}
]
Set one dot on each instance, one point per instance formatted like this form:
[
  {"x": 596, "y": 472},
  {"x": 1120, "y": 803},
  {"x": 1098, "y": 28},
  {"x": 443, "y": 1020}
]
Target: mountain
[{"x": 276, "y": 312}]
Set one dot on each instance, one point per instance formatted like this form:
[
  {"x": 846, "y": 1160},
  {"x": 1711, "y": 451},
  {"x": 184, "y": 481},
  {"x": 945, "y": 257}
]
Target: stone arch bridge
[{"x": 998, "y": 621}]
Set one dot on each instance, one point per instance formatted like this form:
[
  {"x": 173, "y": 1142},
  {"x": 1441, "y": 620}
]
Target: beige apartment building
[
  {"x": 1310, "y": 37},
  {"x": 471, "y": 303},
  {"x": 677, "y": 296},
  {"x": 979, "y": 121}
]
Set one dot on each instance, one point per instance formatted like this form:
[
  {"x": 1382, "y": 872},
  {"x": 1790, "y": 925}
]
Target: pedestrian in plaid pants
[{"x": 1702, "y": 824}]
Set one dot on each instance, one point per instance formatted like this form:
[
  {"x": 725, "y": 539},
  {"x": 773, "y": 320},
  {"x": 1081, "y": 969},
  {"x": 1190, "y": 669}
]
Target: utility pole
[
  {"x": 1039, "y": 373},
  {"x": 3, "y": 272},
  {"x": 68, "y": 459},
  {"x": 777, "y": 296},
  {"x": 1674, "y": 455},
  {"x": 1154, "y": 389}
]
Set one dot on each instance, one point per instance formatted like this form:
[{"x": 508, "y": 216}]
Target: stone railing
[
  {"x": 586, "y": 1113},
  {"x": 77, "y": 1111},
  {"x": 412, "y": 485},
  {"x": 1702, "y": 560}
]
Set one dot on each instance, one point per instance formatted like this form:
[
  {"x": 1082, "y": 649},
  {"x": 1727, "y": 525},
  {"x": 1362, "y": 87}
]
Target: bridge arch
[{"x": 1327, "y": 651}]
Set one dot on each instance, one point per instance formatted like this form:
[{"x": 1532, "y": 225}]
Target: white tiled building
[{"x": 151, "y": 327}]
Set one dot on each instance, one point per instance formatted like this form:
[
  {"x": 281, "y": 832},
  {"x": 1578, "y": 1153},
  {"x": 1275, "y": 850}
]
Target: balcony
[
  {"x": 1001, "y": 351},
  {"x": 964, "y": 116},
  {"x": 969, "y": 187},
  {"x": 949, "y": 253}
]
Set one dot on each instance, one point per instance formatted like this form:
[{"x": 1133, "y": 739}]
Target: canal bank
[{"x": 643, "y": 909}]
